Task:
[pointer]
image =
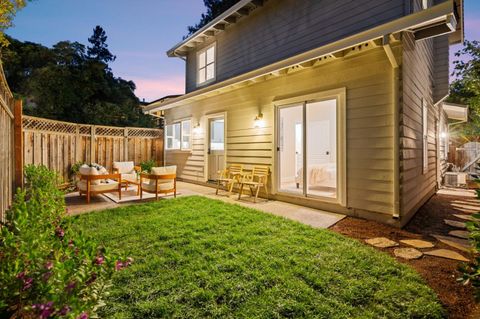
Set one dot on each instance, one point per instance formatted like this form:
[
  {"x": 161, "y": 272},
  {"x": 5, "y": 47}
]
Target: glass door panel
[
  {"x": 216, "y": 147},
  {"x": 290, "y": 149},
  {"x": 321, "y": 148}
]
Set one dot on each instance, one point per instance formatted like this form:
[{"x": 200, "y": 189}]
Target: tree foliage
[
  {"x": 72, "y": 82},
  {"x": 99, "y": 47},
  {"x": 466, "y": 89},
  {"x": 8, "y": 9},
  {"x": 214, "y": 9}
]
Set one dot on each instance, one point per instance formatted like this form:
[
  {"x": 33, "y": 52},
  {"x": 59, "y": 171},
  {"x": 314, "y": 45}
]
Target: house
[{"x": 341, "y": 99}]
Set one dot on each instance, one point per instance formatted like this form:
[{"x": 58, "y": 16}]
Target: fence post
[
  {"x": 125, "y": 144},
  {"x": 18, "y": 142},
  {"x": 92, "y": 144},
  {"x": 78, "y": 144}
]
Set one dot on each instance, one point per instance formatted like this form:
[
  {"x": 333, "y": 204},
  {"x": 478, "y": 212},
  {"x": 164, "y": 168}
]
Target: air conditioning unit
[{"x": 455, "y": 179}]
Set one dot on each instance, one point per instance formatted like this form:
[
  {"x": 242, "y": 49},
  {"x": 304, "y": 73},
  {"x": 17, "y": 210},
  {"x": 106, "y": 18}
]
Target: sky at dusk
[{"x": 139, "y": 33}]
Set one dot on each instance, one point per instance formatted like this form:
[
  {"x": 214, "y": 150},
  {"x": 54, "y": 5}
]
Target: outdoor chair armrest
[
  {"x": 162, "y": 176},
  {"x": 103, "y": 176}
]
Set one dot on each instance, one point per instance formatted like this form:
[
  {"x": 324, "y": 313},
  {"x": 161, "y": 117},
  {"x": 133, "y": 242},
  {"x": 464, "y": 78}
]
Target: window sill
[
  {"x": 200, "y": 85},
  {"x": 179, "y": 151}
]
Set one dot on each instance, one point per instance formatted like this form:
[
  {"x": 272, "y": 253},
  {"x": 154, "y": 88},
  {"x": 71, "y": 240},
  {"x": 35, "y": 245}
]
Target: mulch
[{"x": 439, "y": 273}]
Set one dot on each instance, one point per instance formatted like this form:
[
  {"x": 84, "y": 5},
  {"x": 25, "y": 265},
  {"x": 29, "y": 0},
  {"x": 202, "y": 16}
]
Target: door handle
[{"x": 208, "y": 151}]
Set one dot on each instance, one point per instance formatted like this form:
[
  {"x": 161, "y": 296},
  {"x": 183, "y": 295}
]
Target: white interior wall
[{"x": 289, "y": 117}]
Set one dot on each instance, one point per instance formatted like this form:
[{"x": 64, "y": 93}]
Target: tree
[
  {"x": 214, "y": 9},
  {"x": 8, "y": 9},
  {"x": 98, "y": 50},
  {"x": 70, "y": 82},
  {"x": 466, "y": 89}
]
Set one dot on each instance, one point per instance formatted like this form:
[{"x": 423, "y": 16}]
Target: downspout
[{"x": 396, "y": 125}]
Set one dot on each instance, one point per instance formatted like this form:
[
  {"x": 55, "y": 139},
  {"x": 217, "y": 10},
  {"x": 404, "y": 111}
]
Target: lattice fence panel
[
  {"x": 39, "y": 124},
  {"x": 142, "y": 132},
  {"x": 109, "y": 131},
  {"x": 84, "y": 129}
]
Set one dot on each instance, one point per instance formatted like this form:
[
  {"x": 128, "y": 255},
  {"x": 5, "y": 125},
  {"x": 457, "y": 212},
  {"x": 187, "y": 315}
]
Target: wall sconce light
[
  {"x": 259, "y": 122},
  {"x": 197, "y": 129},
  {"x": 443, "y": 135}
]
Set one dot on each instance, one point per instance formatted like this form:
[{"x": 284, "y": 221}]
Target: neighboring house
[{"x": 341, "y": 99}]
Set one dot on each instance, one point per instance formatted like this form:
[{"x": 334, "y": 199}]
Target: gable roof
[
  {"x": 227, "y": 18},
  {"x": 440, "y": 15}
]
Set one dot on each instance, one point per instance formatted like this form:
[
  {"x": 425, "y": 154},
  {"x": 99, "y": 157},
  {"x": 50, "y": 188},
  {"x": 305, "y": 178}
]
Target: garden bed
[{"x": 196, "y": 257}]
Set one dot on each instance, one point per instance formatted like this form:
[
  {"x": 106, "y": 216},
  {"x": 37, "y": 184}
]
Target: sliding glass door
[
  {"x": 307, "y": 148},
  {"x": 291, "y": 148}
]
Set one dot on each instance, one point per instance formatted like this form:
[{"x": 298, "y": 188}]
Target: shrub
[
  {"x": 47, "y": 267},
  {"x": 471, "y": 272},
  {"x": 146, "y": 166}
]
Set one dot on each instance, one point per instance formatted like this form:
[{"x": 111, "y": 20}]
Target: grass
[{"x": 197, "y": 257}]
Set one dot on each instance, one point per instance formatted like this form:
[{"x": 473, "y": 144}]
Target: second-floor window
[{"x": 206, "y": 65}]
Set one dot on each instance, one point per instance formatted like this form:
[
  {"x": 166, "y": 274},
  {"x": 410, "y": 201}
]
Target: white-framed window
[
  {"x": 206, "y": 65},
  {"x": 177, "y": 135},
  {"x": 172, "y": 136},
  {"x": 186, "y": 135},
  {"x": 425, "y": 135}
]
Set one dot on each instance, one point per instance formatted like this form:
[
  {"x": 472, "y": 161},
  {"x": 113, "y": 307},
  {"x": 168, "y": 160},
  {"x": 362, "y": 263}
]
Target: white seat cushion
[
  {"x": 105, "y": 186},
  {"x": 124, "y": 167},
  {"x": 163, "y": 185}
]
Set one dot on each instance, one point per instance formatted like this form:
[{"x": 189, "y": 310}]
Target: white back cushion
[
  {"x": 124, "y": 167},
  {"x": 87, "y": 170}
]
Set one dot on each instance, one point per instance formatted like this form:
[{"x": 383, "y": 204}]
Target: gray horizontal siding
[
  {"x": 285, "y": 28},
  {"x": 441, "y": 69}
]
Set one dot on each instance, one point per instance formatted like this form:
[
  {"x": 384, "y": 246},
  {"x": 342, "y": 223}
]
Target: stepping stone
[
  {"x": 446, "y": 253},
  {"x": 464, "y": 217},
  {"x": 381, "y": 242},
  {"x": 460, "y": 233},
  {"x": 417, "y": 243},
  {"x": 458, "y": 243},
  {"x": 407, "y": 253},
  {"x": 454, "y": 223}
]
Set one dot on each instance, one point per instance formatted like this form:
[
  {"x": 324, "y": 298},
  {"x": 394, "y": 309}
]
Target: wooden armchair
[
  {"x": 129, "y": 173},
  {"x": 94, "y": 184},
  {"x": 161, "y": 180},
  {"x": 255, "y": 181},
  {"x": 230, "y": 176}
]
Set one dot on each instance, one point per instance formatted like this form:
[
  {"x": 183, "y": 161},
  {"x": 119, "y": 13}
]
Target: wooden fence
[
  {"x": 59, "y": 145},
  {"x": 7, "y": 160}
]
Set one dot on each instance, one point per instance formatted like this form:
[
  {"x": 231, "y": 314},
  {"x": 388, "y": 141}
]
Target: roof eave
[{"x": 208, "y": 27}]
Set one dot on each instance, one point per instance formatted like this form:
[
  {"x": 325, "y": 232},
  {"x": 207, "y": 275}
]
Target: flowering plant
[{"x": 48, "y": 268}]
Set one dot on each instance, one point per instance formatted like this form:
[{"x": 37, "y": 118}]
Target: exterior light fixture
[
  {"x": 259, "y": 122},
  {"x": 196, "y": 128}
]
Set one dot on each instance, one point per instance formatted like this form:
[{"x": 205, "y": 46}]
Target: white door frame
[
  {"x": 207, "y": 119},
  {"x": 340, "y": 96}
]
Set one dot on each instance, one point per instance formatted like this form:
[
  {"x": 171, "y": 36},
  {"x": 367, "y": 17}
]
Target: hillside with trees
[{"x": 72, "y": 82}]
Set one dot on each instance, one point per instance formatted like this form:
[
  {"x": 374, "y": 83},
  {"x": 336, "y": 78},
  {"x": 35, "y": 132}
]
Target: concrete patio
[{"x": 309, "y": 216}]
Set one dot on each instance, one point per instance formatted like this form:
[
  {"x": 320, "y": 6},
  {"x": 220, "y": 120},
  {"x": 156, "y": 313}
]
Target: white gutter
[{"x": 420, "y": 18}]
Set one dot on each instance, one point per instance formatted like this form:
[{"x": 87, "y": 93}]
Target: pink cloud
[{"x": 152, "y": 89}]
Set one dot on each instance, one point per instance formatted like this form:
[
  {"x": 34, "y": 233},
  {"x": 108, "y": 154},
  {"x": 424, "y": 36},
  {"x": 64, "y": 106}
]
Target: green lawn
[{"x": 196, "y": 257}]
